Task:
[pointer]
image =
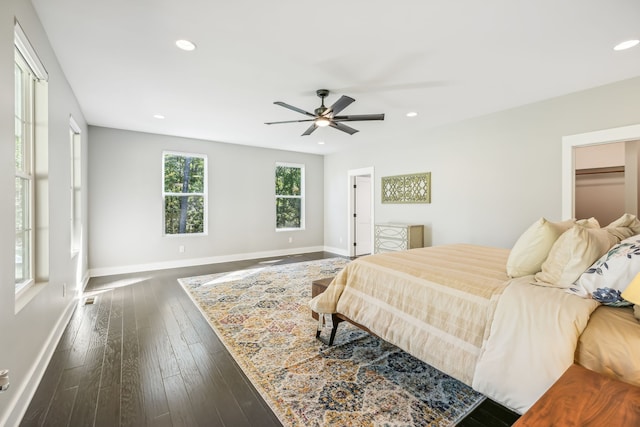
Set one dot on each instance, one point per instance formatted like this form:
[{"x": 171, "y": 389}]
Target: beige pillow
[
  {"x": 624, "y": 227},
  {"x": 574, "y": 252},
  {"x": 532, "y": 247},
  {"x": 588, "y": 222}
]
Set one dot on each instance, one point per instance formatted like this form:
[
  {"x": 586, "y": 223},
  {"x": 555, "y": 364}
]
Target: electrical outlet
[
  {"x": 181, "y": 249},
  {"x": 290, "y": 239},
  {"x": 340, "y": 239}
]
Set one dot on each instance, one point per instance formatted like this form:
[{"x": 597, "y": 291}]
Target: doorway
[
  {"x": 607, "y": 136},
  {"x": 600, "y": 182},
  {"x": 360, "y": 213}
]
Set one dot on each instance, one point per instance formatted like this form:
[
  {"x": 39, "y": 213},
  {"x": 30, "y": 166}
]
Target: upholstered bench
[{"x": 318, "y": 287}]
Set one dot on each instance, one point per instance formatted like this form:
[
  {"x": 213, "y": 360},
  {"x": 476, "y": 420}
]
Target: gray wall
[
  {"x": 492, "y": 176},
  {"x": 125, "y": 171},
  {"x": 28, "y": 337}
]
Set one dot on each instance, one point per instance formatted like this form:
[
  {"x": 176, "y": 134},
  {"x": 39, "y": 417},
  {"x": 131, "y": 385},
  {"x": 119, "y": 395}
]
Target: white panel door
[{"x": 362, "y": 218}]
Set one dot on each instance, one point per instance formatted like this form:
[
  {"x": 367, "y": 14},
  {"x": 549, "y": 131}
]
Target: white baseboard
[
  {"x": 337, "y": 251},
  {"x": 109, "y": 271},
  {"x": 23, "y": 393},
  {"x": 85, "y": 281}
]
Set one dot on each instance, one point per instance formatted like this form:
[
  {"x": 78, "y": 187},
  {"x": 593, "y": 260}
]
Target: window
[
  {"x": 30, "y": 100},
  {"x": 289, "y": 196},
  {"x": 184, "y": 193},
  {"x": 75, "y": 186},
  {"x": 24, "y": 173}
]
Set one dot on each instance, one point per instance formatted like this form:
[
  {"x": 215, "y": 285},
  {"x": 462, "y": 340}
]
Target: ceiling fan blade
[
  {"x": 358, "y": 117},
  {"x": 291, "y": 107},
  {"x": 343, "y": 128},
  {"x": 310, "y": 129},
  {"x": 339, "y": 105},
  {"x": 290, "y": 121}
]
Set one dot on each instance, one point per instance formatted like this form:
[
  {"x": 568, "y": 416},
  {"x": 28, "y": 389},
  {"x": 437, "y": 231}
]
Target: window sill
[
  {"x": 171, "y": 236},
  {"x": 27, "y": 295},
  {"x": 289, "y": 229}
]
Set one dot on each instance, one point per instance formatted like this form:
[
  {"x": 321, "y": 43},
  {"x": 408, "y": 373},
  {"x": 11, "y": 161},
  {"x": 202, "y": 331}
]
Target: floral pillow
[{"x": 610, "y": 275}]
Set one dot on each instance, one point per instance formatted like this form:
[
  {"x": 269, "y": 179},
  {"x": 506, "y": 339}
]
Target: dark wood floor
[
  {"x": 489, "y": 413},
  {"x": 143, "y": 354}
]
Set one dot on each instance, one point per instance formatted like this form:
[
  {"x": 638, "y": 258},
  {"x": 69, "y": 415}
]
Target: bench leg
[{"x": 336, "y": 322}]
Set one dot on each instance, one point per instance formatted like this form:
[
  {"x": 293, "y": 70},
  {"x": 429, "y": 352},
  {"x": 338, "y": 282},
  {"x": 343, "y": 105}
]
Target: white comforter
[{"x": 532, "y": 342}]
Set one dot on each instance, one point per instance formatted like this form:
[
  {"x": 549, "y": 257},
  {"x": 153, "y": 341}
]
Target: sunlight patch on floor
[{"x": 234, "y": 276}]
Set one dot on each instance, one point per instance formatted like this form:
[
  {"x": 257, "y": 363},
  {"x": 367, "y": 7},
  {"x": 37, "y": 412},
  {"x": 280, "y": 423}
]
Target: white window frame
[
  {"x": 204, "y": 194},
  {"x": 33, "y": 72},
  {"x": 75, "y": 187},
  {"x": 24, "y": 120},
  {"x": 301, "y": 196}
]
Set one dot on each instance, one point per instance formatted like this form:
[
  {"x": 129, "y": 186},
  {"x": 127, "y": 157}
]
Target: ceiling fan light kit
[
  {"x": 322, "y": 122},
  {"x": 328, "y": 116}
]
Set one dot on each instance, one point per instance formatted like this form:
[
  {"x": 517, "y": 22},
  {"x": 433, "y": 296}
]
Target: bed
[{"x": 457, "y": 308}]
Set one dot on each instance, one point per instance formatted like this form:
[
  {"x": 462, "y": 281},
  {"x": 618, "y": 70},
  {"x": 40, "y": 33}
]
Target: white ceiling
[{"x": 446, "y": 59}]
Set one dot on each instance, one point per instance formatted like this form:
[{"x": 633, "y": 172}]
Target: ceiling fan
[{"x": 327, "y": 116}]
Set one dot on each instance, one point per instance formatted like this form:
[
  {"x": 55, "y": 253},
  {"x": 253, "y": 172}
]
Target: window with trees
[
  {"x": 184, "y": 193},
  {"x": 289, "y": 196},
  {"x": 31, "y": 160}
]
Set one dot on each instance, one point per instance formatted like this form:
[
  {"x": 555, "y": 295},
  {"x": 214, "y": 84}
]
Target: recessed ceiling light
[
  {"x": 185, "y": 45},
  {"x": 321, "y": 142},
  {"x": 158, "y": 116},
  {"x": 626, "y": 44},
  {"x": 412, "y": 114}
]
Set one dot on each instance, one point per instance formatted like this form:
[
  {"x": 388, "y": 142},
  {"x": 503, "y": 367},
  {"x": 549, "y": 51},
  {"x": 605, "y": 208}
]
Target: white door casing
[
  {"x": 351, "y": 229},
  {"x": 362, "y": 215},
  {"x": 625, "y": 133}
]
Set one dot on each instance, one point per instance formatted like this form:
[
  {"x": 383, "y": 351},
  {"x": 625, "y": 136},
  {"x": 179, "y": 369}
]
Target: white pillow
[
  {"x": 574, "y": 251},
  {"x": 532, "y": 247},
  {"x": 611, "y": 273}
]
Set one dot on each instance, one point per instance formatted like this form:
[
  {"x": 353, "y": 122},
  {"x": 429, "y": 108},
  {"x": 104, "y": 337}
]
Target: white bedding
[{"x": 532, "y": 342}]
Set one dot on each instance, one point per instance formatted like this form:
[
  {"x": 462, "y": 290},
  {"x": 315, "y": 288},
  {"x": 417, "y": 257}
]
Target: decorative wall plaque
[{"x": 413, "y": 188}]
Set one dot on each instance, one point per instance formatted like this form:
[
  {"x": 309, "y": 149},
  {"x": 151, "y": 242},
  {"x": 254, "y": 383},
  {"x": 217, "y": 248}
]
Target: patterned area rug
[{"x": 262, "y": 317}]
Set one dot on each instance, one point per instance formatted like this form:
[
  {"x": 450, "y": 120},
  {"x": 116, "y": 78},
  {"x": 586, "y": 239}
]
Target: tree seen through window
[
  {"x": 289, "y": 196},
  {"x": 184, "y": 193}
]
